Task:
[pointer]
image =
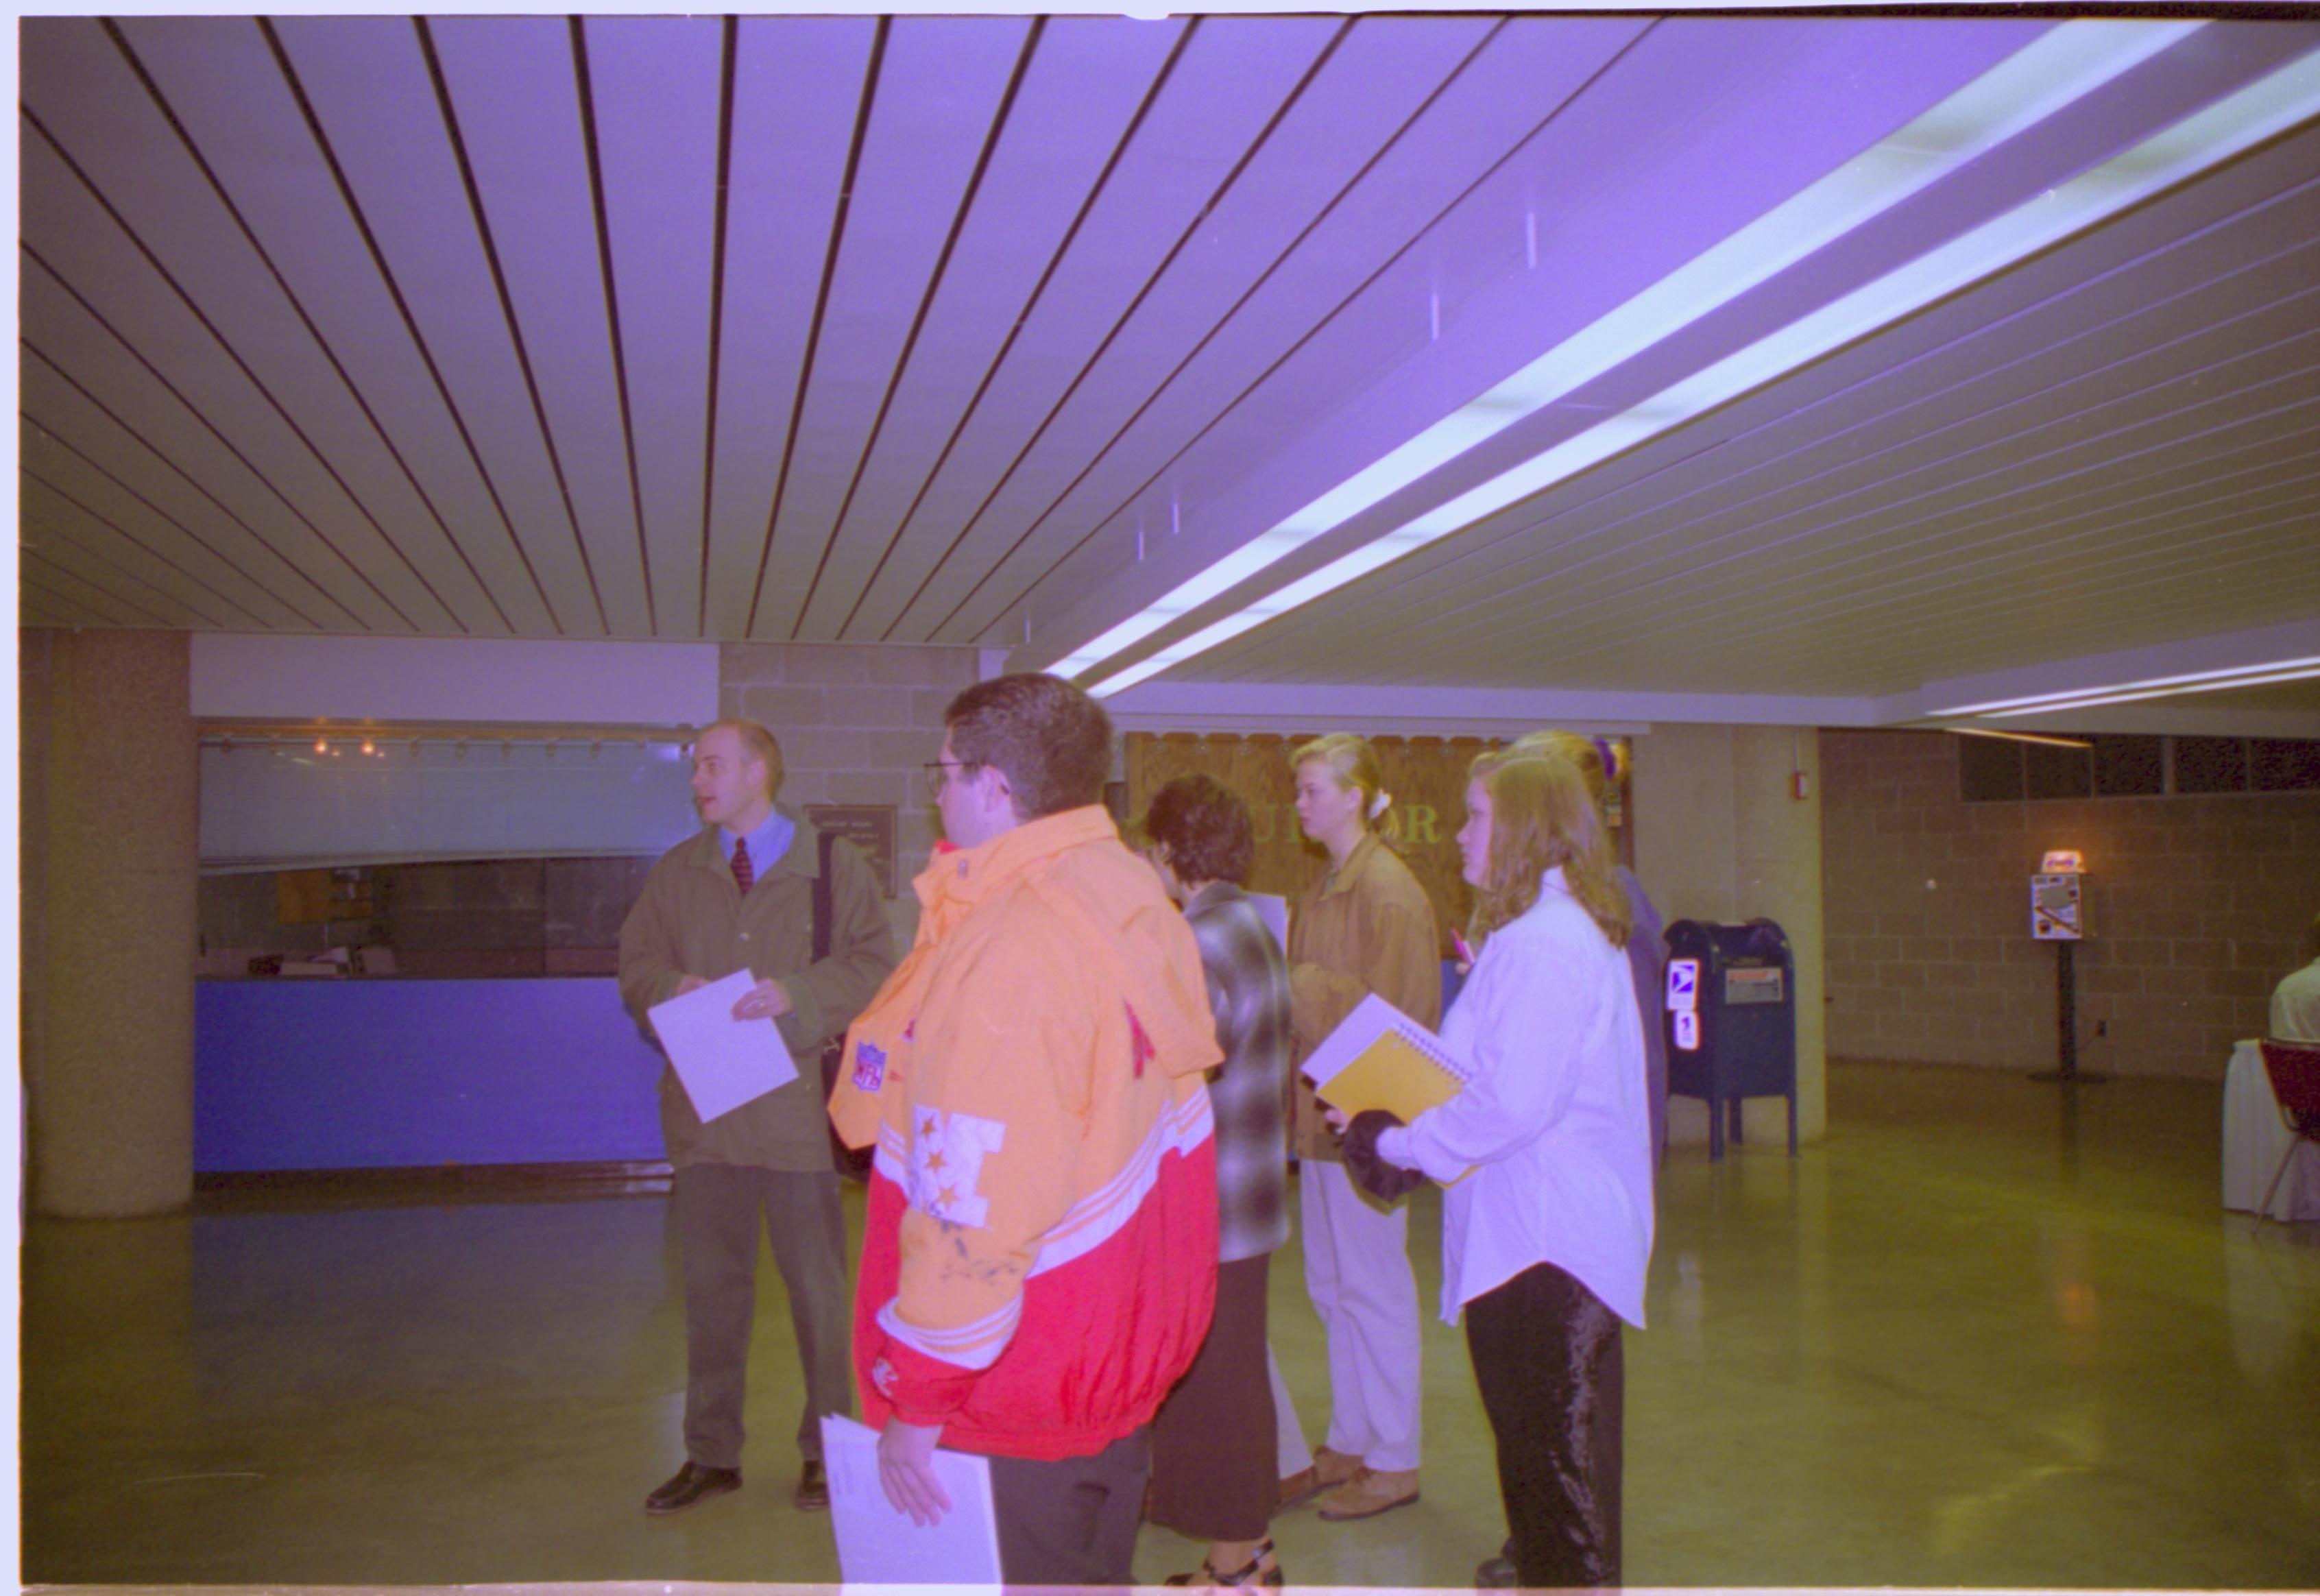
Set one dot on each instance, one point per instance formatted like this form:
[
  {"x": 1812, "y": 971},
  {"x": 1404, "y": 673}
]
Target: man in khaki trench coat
[{"x": 740, "y": 895}]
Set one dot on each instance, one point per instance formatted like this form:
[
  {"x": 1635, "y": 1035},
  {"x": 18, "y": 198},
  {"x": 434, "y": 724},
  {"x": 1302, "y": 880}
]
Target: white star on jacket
[{"x": 946, "y": 1154}]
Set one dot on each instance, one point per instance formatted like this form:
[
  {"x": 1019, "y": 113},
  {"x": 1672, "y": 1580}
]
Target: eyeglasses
[{"x": 939, "y": 772}]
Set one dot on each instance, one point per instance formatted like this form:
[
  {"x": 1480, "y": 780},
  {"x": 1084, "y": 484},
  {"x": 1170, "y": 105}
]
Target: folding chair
[{"x": 2294, "y": 1071}]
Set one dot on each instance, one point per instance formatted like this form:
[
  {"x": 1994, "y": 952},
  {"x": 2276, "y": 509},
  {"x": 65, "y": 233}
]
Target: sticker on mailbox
[
  {"x": 1683, "y": 984},
  {"x": 1686, "y": 1029}
]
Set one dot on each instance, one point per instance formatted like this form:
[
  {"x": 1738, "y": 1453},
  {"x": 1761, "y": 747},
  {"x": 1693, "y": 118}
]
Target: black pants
[
  {"x": 718, "y": 1222},
  {"x": 1071, "y": 1522},
  {"x": 1546, "y": 1357}
]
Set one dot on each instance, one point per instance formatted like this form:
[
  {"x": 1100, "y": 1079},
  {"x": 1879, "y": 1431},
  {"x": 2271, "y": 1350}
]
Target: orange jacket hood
[{"x": 1076, "y": 864}]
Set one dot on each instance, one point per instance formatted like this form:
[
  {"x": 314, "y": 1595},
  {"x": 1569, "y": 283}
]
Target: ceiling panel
[
  {"x": 1203, "y": 120},
  {"x": 95, "y": 506},
  {"x": 798, "y": 100},
  {"x": 89, "y": 543},
  {"x": 1758, "y": 493},
  {"x": 378, "y": 109},
  {"x": 1515, "y": 257},
  {"x": 78, "y": 426},
  {"x": 245, "y": 120},
  {"x": 994, "y": 329},
  {"x": 942, "y": 85},
  {"x": 2015, "y": 473},
  {"x": 121, "y": 306},
  {"x": 156, "y": 434},
  {"x": 1081, "y": 87},
  {"x": 85, "y": 602},
  {"x": 1890, "y": 489},
  {"x": 514, "y": 108},
  {"x": 239, "y": 335},
  {"x": 652, "y": 98},
  {"x": 44, "y": 605},
  {"x": 2286, "y": 697},
  {"x": 1496, "y": 98},
  {"x": 1352, "y": 105}
]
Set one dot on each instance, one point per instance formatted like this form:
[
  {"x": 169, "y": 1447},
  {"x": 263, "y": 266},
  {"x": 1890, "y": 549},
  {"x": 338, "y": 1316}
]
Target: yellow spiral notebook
[{"x": 1379, "y": 1058}]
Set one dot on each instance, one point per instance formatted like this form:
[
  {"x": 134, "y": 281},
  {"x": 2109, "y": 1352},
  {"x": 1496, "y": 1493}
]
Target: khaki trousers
[{"x": 718, "y": 1217}]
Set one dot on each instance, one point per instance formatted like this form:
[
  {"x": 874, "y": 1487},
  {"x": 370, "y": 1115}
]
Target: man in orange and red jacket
[{"x": 1039, "y": 1262}]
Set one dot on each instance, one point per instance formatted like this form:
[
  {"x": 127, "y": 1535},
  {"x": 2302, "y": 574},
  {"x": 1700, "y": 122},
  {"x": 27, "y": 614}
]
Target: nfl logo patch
[{"x": 869, "y": 1068}]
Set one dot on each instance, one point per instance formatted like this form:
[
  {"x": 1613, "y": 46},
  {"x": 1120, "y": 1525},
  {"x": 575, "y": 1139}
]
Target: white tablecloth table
[{"x": 2254, "y": 1136}]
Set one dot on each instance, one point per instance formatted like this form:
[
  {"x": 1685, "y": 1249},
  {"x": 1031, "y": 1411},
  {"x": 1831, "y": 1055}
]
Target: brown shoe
[
  {"x": 1329, "y": 1468},
  {"x": 1371, "y": 1492}
]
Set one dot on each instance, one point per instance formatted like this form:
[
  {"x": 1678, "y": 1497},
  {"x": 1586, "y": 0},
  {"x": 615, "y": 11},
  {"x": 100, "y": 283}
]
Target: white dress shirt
[
  {"x": 2296, "y": 1006},
  {"x": 1553, "y": 1138}
]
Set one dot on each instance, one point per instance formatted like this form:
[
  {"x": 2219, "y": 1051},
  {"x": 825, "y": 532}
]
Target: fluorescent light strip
[
  {"x": 2306, "y": 673},
  {"x": 2257, "y": 113},
  {"x": 2229, "y": 677},
  {"x": 2063, "y": 65},
  {"x": 2049, "y": 742}
]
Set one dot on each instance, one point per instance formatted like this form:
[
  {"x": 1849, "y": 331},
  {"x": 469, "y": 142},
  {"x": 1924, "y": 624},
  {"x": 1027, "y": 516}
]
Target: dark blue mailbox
[{"x": 1730, "y": 1014}]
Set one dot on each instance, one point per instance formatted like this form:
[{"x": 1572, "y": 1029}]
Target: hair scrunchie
[
  {"x": 1381, "y": 804},
  {"x": 1608, "y": 752}
]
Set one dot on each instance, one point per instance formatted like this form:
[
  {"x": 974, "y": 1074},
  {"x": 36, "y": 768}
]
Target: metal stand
[{"x": 2066, "y": 1022}]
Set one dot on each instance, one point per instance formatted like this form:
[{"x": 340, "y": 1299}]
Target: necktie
[{"x": 744, "y": 872}]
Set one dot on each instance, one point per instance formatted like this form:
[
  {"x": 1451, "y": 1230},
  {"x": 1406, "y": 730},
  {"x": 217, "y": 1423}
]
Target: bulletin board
[
  {"x": 869, "y": 827},
  {"x": 1426, "y": 775}
]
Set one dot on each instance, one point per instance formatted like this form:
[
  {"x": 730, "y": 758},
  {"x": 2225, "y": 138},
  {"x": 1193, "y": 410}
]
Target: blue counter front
[{"x": 394, "y": 1073}]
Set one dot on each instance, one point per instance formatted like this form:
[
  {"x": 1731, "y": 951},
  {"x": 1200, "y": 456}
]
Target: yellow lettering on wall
[{"x": 1424, "y": 823}]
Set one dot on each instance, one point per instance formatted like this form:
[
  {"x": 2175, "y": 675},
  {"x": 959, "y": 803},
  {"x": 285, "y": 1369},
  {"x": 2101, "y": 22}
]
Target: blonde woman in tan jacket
[{"x": 1367, "y": 926}]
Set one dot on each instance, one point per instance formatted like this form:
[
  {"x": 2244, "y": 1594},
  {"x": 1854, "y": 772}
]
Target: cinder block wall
[
  {"x": 856, "y": 725},
  {"x": 2197, "y": 905}
]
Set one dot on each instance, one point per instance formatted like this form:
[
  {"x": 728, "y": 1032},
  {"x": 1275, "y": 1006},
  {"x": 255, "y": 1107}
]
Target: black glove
[{"x": 1388, "y": 1183}]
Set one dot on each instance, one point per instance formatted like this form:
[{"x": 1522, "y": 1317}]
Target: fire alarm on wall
[{"x": 1797, "y": 783}]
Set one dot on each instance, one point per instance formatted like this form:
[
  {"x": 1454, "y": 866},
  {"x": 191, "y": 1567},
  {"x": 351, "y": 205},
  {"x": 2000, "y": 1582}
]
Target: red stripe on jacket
[{"x": 1101, "y": 1341}]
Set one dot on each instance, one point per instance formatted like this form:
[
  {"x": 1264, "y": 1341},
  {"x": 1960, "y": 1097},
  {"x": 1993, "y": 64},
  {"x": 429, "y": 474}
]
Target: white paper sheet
[
  {"x": 878, "y": 1544},
  {"x": 722, "y": 1061}
]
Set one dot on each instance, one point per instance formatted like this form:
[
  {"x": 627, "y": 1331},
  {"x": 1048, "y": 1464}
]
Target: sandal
[{"x": 1262, "y": 1570}]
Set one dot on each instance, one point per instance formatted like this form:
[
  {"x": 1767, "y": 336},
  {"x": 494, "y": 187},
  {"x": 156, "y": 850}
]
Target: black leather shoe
[
  {"x": 1497, "y": 1574},
  {"x": 690, "y": 1485},
  {"x": 813, "y": 1487}
]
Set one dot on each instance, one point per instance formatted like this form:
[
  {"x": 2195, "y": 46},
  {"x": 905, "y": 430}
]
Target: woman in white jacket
[{"x": 1546, "y": 1158}]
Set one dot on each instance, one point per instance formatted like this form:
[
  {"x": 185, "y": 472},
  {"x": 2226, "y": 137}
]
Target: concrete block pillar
[
  {"x": 1721, "y": 835},
  {"x": 1776, "y": 857},
  {"x": 109, "y": 1078}
]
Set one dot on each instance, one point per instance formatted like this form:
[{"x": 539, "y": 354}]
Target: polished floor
[{"x": 1981, "y": 1335}]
